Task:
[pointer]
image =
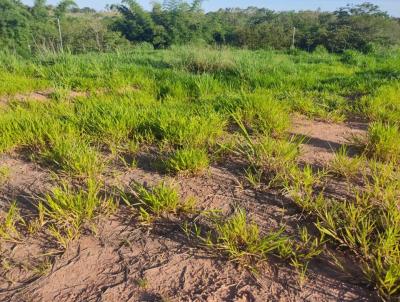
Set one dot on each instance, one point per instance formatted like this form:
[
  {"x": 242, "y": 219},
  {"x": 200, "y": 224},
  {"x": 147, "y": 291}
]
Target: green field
[{"x": 179, "y": 114}]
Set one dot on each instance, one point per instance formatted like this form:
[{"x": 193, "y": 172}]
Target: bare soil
[
  {"x": 119, "y": 260},
  {"x": 323, "y": 139}
]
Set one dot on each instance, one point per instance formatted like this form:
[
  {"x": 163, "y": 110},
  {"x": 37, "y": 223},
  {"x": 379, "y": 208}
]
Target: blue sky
[{"x": 392, "y": 6}]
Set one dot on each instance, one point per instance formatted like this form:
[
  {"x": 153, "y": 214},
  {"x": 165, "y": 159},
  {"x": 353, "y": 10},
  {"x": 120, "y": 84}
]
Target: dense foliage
[{"x": 26, "y": 30}]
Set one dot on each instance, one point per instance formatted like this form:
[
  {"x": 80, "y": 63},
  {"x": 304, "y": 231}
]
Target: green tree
[
  {"x": 135, "y": 23},
  {"x": 14, "y": 26},
  {"x": 63, "y": 7}
]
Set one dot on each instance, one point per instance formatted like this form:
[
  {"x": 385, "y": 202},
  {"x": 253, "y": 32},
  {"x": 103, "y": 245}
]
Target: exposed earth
[{"x": 121, "y": 260}]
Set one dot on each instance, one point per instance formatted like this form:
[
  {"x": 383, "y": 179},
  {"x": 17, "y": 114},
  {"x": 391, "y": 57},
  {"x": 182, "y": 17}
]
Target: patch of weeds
[
  {"x": 241, "y": 240},
  {"x": 43, "y": 267},
  {"x": 326, "y": 106},
  {"x": 372, "y": 232},
  {"x": 301, "y": 185},
  {"x": 384, "y": 106},
  {"x": 303, "y": 250},
  {"x": 9, "y": 224},
  {"x": 254, "y": 177},
  {"x": 124, "y": 152},
  {"x": 70, "y": 153},
  {"x": 344, "y": 166},
  {"x": 265, "y": 115},
  {"x": 187, "y": 161},
  {"x": 384, "y": 142},
  {"x": 66, "y": 210},
  {"x": 270, "y": 157},
  {"x": 368, "y": 224},
  {"x": 142, "y": 283},
  {"x": 60, "y": 93},
  {"x": 159, "y": 201},
  {"x": 382, "y": 181},
  {"x": 4, "y": 174},
  {"x": 276, "y": 157}
]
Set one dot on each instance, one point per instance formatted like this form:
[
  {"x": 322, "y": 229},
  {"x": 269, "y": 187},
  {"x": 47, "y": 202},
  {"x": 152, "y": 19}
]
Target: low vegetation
[
  {"x": 177, "y": 112},
  {"x": 158, "y": 202},
  {"x": 65, "y": 211}
]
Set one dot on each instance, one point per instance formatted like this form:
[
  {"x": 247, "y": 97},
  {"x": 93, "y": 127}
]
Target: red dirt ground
[{"x": 122, "y": 261}]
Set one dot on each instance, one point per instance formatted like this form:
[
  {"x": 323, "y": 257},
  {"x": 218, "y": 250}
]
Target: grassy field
[{"x": 181, "y": 112}]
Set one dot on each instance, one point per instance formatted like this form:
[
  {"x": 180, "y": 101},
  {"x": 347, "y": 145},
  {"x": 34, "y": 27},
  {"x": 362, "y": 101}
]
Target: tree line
[{"x": 66, "y": 27}]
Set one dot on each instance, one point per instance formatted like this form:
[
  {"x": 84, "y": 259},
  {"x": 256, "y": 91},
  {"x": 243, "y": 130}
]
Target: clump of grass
[
  {"x": 328, "y": 106},
  {"x": 124, "y": 152},
  {"x": 382, "y": 181},
  {"x": 66, "y": 210},
  {"x": 60, "y": 93},
  {"x": 187, "y": 161},
  {"x": 384, "y": 105},
  {"x": 207, "y": 60},
  {"x": 264, "y": 114},
  {"x": 254, "y": 176},
  {"x": 180, "y": 129},
  {"x": 70, "y": 153},
  {"x": 384, "y": 142},
  {"x": 302, "y": 185},
  {"x": 9, "y": 224},
  {"x": 268, "y": 157},
  {"x": 344, "y": 166},
  {"x": 241, "y": 240},
  {"x": 372, "y": 232},
  {"x": 159, "y": 201},
  {"x": 4, "y": 174}
]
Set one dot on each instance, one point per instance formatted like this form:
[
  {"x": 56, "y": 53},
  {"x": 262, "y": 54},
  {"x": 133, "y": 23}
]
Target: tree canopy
[{"x": 25, "y": 29}]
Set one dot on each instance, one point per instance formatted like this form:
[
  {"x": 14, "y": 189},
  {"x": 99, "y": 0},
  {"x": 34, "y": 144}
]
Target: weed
[
  {"x": 9, "y": 224},
  {"x": 273, "y": 156},
  {"x": 344, "y": 166},
  {"x": 159, "y": 201},
  {"x": 4, "y": 174},
  {"x": 367, "y": 225},
  {"x": 67, "y": 210},
  {"x": 241, "y": 239},
  {"x": 187, "y": 161},
  {"x": 254, "y": 177},
  {"x": 384, "y": 142},
  {"x": 384, "y": 105},
  {"x": 71, "y": 154}
]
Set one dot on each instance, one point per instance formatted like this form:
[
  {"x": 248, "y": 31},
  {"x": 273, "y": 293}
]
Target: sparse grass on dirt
[
  {"x": 158, "y": 201},
  {"x": 187, "y": 161},
  {"x": 66, "y": 210},
  {"x": 93, "y": 119},
  {"x": 10, "y": 222}
]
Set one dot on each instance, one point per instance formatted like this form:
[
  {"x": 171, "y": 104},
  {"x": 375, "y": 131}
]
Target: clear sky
[{"x": 392, "y": 6}]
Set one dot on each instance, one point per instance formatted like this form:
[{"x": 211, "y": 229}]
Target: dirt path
[
  {"x": 322, "y": 139},
  {"x": 48, "y": 94}
]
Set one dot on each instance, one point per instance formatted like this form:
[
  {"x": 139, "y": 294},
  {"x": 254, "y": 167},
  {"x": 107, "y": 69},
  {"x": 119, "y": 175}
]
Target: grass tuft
[
  {"x": 159, "y": 201},
  {"x": 67, "y": 210},
  {"x": 187, "y": 161},
  {"x": 384, "y": 142}
]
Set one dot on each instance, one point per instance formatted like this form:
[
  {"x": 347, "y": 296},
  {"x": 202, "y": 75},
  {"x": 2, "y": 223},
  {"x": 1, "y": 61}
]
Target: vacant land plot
[{"x": 200, "y": 175}]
